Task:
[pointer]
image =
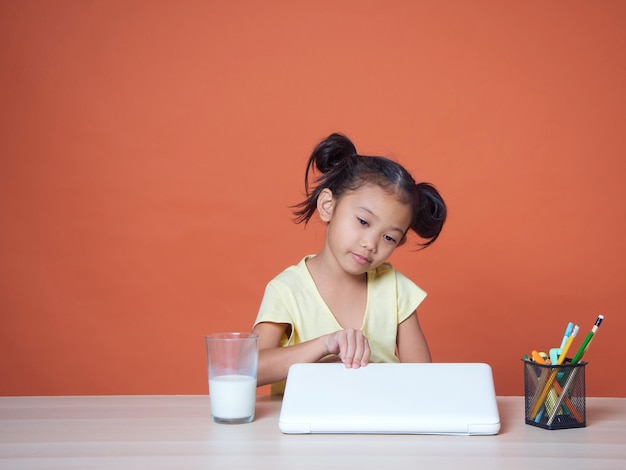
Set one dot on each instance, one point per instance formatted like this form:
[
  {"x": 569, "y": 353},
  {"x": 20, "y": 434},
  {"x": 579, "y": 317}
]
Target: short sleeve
[
  {"x": 410, "y": 296},
  {"x": 273, "y": 308}
]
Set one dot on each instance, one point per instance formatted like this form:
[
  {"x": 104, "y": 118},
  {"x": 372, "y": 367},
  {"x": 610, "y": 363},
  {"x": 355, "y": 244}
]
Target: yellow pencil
[
  {"x": 546, "y": 386},
  {"x": 567, "y": 345}
]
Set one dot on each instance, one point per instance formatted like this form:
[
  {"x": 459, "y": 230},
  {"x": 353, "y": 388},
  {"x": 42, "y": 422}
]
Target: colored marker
[
  {"x": 554, "y": 355},
  {"x": 583, "y": 347},
  {"x": 537, "y": 357}
]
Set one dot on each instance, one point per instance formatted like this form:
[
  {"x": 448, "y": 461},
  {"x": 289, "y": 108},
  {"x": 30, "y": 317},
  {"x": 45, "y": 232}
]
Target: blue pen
[{"x": 568, "y": 332}]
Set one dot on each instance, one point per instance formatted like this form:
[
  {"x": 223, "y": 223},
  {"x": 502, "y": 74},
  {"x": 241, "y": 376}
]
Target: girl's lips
[{"x": 360, "y": 259}]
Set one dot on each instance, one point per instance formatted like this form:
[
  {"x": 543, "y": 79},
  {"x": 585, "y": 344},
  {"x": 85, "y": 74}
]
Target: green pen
[{"x": 583, "y": 347}]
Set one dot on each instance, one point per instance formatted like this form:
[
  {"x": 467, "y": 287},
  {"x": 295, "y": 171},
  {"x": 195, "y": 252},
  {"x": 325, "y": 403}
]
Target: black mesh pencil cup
[{"x": 554, "y": 395}]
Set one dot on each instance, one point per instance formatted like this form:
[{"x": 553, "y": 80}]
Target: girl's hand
[{"x": 351, "y": 346}]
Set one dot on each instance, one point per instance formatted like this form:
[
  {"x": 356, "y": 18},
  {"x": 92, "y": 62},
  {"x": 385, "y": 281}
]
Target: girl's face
[{"x": 365, "y": 226}]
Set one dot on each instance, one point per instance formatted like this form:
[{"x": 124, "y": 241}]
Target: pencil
[
  {"x": 583, "y": 347},
  {"x": 545, "y": 385},
  {"x": 568, "y": 344},
  {"x": 564, "y": 395}
]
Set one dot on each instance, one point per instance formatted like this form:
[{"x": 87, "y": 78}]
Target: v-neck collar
[{"x": 327, "y": 310}]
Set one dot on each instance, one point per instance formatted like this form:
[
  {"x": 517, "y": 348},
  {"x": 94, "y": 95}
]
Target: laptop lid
[{"x": 433, "y": 398}]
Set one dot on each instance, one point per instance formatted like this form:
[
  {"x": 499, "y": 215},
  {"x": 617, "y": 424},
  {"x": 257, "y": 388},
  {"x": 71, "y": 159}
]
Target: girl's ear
[{"x": 325, "y": 204}]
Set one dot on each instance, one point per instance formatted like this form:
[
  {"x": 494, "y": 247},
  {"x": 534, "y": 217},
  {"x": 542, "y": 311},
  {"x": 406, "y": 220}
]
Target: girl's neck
[
  {"x": 345, "y": 294},
  {"x": 324, "y": 269}
]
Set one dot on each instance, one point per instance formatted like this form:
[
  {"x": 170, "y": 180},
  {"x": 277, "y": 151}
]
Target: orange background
[{"x": 150, "y": 151}]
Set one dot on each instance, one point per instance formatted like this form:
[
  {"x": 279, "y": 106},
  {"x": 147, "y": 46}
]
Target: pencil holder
[{"x": 554, "y": 396}]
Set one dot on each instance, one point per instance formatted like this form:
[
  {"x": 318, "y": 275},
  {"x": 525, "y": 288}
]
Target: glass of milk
[{"x": 233, "y": 362}]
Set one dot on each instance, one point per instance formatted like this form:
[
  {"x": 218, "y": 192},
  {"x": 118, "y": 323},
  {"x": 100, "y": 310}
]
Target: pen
[
  {"x": 567, "y": 345},
  {"x": 568, "y": 331},
  {"x": 583, "y": 347}
]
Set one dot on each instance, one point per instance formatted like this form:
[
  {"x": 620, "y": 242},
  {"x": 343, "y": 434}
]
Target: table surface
[{"x": 176, "y": 432}]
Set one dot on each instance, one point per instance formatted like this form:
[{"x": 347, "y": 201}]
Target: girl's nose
[{"x": 368, "y": 244}]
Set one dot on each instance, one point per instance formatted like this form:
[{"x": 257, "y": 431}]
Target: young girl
[{"x": 346, "y": 303}]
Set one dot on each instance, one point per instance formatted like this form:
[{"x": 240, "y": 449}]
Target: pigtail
[
  {"x": 430, "y": 213},
  {"x": 330, "y": 159},
  {"x": 331, "y": 152}
]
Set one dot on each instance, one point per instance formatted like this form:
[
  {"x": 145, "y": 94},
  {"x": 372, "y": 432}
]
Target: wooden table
[{"x": 176, "y": 432}]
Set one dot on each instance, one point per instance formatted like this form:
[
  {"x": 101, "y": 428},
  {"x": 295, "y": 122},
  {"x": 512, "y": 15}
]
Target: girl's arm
[
  {"x": 412, "y": 345},
  {"x": 351, "y": 346}
]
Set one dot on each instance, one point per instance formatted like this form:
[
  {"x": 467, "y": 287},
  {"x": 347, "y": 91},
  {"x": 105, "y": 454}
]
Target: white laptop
[{"x": 434, "y": 398}]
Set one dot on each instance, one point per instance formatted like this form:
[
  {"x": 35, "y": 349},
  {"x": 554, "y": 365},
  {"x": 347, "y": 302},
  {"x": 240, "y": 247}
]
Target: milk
[{"x": 232, "y": 396}]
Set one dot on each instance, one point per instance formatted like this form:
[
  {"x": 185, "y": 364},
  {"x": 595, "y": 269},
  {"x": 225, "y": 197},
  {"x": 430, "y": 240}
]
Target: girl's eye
[
  {"x": 389, "y": 239},
  {"x": 361, "y": 221}
]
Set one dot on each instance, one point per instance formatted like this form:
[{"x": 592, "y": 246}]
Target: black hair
[{"x": 342, "y": 169}]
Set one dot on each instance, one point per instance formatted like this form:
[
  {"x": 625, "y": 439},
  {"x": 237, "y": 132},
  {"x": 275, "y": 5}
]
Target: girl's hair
[{"x": 342, "y": 169}]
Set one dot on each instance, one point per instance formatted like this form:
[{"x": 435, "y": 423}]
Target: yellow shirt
[{"x": 292, "y": 297}]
